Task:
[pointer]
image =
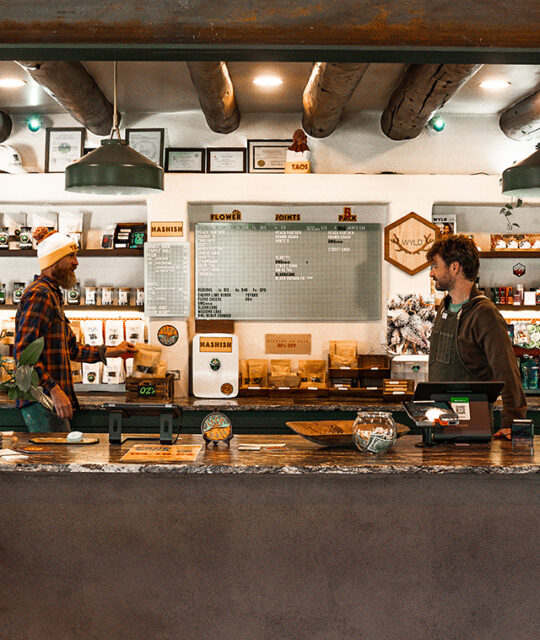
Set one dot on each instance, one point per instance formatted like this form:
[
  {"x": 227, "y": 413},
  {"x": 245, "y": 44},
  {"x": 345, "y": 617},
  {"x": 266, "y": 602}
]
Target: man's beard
[
  {"x": 444, "y": 284},
  {"x": 65, "y": 276}
]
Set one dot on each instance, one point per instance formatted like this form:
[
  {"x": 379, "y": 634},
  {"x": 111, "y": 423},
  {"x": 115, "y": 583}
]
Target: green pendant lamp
[
  {"x": 114, "y": 168},
  {"x": 523, "y": 179}
]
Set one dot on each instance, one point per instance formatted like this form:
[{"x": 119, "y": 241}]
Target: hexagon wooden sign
[{"x": 406, "y": 242}]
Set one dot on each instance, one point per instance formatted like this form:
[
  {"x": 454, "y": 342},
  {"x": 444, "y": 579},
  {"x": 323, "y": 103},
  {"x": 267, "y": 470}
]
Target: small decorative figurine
[{"x": 298, "y": 153}]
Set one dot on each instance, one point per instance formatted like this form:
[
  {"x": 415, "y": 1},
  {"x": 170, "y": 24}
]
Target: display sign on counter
[{"x": 295, "y": 343}]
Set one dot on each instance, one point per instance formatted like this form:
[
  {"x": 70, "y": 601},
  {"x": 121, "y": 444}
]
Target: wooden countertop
[
  {"x": 93, "y": 401},
  {"x": 299, "y": 457}
]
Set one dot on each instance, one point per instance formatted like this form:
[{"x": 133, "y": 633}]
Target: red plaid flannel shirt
[{"x": 40, "y": 314}]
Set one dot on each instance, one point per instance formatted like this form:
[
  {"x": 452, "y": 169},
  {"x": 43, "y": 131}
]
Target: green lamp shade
[
  {"x": 114, "y": 168},
  {"x": 523, "y": 178}
]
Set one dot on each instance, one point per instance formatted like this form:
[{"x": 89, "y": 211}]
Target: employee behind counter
[
  {"x": 40, "y": 314},
  {"x": 470, "y": 340}
]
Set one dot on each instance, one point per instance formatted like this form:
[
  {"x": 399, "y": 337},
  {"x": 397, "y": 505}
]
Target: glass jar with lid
[
  {"x": 74, "y": 294},
  {"x": 2, "y": 293},
  {"x": 107, "y": 296},
  {"x": 4, "y": 238},
  {"x": 18, "y": 289},
  {"x": 374, "y": 431},
  {"x": 124, "y": 296},
  {"x": 25, "y": 238}
]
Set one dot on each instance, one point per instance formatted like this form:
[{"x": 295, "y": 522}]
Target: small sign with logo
[
  {"x": 147, "y": 389},
  {"x": 407, "y": 241},
  {"x": 210, "y": 344},
  {"x": 168, "y": 229},
  {"x": 233, "y": 216},
  {"x": 167, "y": 335},
  {"x": 295, "y": 343},
  {"x": 519, "y": 269},
  {"x": 347, "y": 216}
]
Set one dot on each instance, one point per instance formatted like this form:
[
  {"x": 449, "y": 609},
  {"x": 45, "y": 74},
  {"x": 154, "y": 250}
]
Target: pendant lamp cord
[{"x": 115, "y": 114}]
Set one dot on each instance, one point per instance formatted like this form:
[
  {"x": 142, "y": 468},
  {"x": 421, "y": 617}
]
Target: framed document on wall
[
  {"x": 184, "y": 160},
  {"x": 63, "y": 146},
  {"x": 267, "y": 156},
  {"x": 226, "y": 160},
  {"x": 149, "y": 142}
]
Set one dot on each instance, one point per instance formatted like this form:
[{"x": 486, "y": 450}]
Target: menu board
[
  {"x": 288, "y": 271},
  {"x": 166, "y": 279}
]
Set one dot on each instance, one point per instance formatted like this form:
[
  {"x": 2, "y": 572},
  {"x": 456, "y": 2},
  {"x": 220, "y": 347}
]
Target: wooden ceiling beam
[
  {"x": 74, "y": 89},
  {"x": 521, "y": 121},
  {"x": 422, "y": 90},
  {"x": 216, "y": 95},
  {"x": 484, "y": 24},
  {"x": 328, "y": 90}
]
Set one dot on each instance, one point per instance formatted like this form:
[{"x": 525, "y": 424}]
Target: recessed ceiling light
[
  {"x": 495, "y": 84},
  {"x": 11, "y": 83},
  {"x": 268, "y": 81}
]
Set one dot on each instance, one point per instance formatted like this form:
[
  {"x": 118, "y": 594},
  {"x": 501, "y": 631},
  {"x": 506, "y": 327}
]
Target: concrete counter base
[{"x": 245, "y": 556}]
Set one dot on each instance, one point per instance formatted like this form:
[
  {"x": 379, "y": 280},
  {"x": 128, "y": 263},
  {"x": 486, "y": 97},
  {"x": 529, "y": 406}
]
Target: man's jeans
[{"x": 41, "y": 420}]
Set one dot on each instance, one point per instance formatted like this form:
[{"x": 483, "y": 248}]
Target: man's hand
[
  {"x": 123, "y": 350},
  {"x": 62, "y": 403}
]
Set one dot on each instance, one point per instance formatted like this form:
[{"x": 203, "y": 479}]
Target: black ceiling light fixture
[
  {"x": 523, "y": 178},
  {"x": 114, "y": 168}
]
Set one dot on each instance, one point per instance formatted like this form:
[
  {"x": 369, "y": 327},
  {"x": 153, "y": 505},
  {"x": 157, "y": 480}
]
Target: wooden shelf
[
  {"x": 517, "y": 253},
  {"x": 87, "y": 307},
  {"x": 518, "y": 307},
  {"x": 83, "y": 253}
]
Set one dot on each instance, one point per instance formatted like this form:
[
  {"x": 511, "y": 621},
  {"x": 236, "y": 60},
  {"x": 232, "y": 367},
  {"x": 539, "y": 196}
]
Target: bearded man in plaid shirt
[{"x": 40, "y": 314}]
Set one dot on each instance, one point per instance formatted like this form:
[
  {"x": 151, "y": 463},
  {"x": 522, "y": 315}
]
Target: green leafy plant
[
  {"x": 23, "y": 381},
  {"x": 507, "y": 212}
]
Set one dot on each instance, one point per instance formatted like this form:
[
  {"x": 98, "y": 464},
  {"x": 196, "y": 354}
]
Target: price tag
[{"x": 146, "y": 390}]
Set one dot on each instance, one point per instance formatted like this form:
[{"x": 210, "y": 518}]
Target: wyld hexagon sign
[{"x": 406, "y": 242}]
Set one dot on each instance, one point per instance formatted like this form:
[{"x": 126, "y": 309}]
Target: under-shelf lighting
[
  {"x": 11, "y": 83},
  {"x": 495, "y": 84}
]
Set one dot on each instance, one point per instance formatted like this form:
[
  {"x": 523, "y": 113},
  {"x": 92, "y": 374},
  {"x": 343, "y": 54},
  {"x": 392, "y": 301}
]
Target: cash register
[{"x": 454, "y": 411}]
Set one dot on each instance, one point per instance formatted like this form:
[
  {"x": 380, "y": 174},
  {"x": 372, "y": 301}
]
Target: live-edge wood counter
[{"x": 302, "y": 543}]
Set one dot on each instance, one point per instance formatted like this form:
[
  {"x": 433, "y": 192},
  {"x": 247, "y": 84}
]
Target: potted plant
[
  {"x": 507, "y": 212},
  {"x": 23, "y": 380}
]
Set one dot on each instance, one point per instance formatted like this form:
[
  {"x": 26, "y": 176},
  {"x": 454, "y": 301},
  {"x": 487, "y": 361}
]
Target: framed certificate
[
  {"x": 226, "y": 160},
  {"x": 267, "y": 156},
  {"x": 184, "y": 160},
  {"x": 63, "y": 146},
  {"x": 149, "y": 142}
]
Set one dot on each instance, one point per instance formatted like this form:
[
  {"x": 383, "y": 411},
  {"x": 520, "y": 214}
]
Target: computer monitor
[{"x": 472, "y": 401}]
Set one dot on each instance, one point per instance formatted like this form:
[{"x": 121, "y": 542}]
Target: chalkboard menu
[
  {"x": 288, "y": 271},
  {"x": 166, "y": 279}
]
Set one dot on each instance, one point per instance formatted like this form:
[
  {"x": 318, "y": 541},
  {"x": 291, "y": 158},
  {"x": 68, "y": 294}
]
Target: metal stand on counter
[{"x": 166, "y": 412}]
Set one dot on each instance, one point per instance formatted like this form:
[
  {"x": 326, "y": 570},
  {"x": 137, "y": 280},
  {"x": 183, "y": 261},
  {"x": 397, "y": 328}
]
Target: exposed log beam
[
  {"x": 349, "y": 24},
  {"x": 70, "y": 84},
  {"x": 216, "y": 95},
  {"x": 521, "y": 121},
  {"x": 328, "y": 90},
  {"x": 422, "y": 90}
]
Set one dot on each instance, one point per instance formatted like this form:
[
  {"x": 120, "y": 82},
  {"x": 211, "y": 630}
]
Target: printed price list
[{"x": 166, "y": 279}]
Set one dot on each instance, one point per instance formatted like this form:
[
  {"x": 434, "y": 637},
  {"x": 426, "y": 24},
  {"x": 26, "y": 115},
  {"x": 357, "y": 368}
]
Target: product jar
[
  {"x": 374, "y": 431},
  {"x": 2, "y": 293},
  {"x": 74, "y": 294},
  {"x": 107, "y": 295},
  {"x": 90, "y": 296},
  {"x": 4, "y": 238},
  {"x": 18, "y": 288},
  {"x": 124, "y": 296},
  {"x": 140, "y": 296},
  {"x": 25, "y": 238}
]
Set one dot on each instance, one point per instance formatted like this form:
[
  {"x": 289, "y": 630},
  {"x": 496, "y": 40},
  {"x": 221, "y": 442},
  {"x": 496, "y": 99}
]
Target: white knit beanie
[{"x": 52, "y": 246}]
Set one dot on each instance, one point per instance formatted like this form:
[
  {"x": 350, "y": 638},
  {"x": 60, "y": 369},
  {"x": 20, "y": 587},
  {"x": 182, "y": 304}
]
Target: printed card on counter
[{"x": 162, "y": 453}]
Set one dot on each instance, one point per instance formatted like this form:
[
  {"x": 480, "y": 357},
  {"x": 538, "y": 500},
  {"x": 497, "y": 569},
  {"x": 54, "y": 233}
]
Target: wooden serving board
[
  {"x": 331, "y": 433},
  {"x": 60, "y": 440}
]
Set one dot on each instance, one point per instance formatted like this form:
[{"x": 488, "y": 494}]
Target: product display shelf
[
  {"x": 83, "y": 253},
  {"x": 87, "y": 307},
  {"x": 511, "y": 253},
  {"x": 367, "y": 377},
  {"x": 518, "y": 307}
]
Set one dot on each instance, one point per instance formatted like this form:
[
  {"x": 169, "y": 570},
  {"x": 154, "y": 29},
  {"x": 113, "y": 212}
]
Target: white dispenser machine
[{"x": 215, "y": 365}]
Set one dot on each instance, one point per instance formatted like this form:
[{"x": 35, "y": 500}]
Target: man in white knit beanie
[{"x": 40, "y": 314}]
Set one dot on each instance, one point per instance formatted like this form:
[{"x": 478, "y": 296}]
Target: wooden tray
[
  {"x": 332, "y": 433},
  {"x": 60, "y": 440}
]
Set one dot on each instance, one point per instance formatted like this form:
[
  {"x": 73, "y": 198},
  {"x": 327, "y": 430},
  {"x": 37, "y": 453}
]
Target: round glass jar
[
  {"x": 74, "y": 294},
  {"x": 124, "y": 296},
  {"x": 374, "y": 431},
  {"x": 18, "y": 288},
  {"x": 139, "y": 301},
  {"x": 25, "y": 238},
  {"x": 4, "y": 238},
  {"x": 2, "y": 293}
]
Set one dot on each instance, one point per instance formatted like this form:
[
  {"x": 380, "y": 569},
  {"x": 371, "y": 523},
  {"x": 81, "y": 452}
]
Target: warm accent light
[
  {"x": 268, "y": 81},
  {"x": 495, "y": 85},
  {"x": 11, "y": 83}
]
